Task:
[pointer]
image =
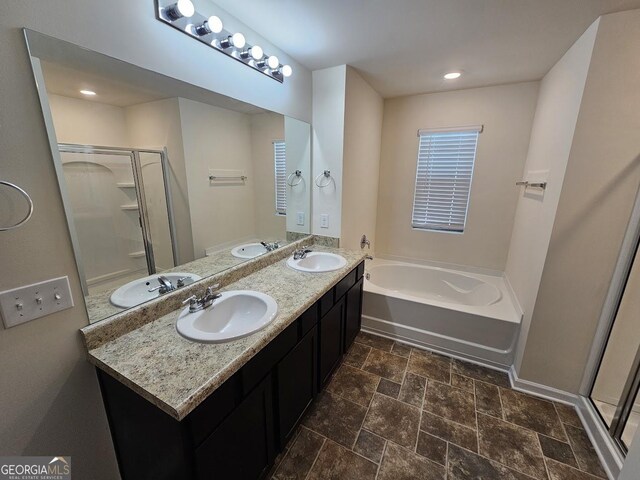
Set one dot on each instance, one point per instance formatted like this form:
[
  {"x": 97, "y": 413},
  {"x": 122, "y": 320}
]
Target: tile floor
[{"x": 392, "y": 412}]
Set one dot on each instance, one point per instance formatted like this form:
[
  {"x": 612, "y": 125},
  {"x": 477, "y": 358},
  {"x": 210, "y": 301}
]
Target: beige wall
[
  {"x": 328, "y": 144},
  {"x": 219, "y": 139},
  {"x": 298, "y": 151},
  {"x": 551, "y": 137},
  {"x": 361, "y": 161},
  {"x": 265, "y": 128},
  {"x": 507, "y": 113},
  {"x": 599, "y": 188},
  {"x": 48, "y": 391},
  {"x": 88, "y": 123},
  {"x": 156, "y": 125}
]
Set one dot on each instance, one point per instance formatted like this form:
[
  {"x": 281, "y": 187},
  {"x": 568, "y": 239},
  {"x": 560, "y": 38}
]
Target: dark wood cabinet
[
  {"x": 330, "y": 339},
  {"x": 242, "y": 446},
  {"x": 296, "y": 380},
  {"x": 353, "y": 313},
  {"x": 239, "y": 429}
]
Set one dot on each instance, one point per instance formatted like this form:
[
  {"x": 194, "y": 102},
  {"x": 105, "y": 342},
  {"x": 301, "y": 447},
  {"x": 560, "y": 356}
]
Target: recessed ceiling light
[
  {"x": 452, "y": 75},
  {"x": 90, "y": 93}
]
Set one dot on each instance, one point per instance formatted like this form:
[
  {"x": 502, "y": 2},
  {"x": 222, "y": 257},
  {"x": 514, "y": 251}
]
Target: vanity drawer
[
  {"x": 345, "y": 284},
  {"x": 264, "y": 361},
  {"x": 326, "y": 302},
  {"x": 359, "y": 271},
  {"x": 308, "y": 319}
]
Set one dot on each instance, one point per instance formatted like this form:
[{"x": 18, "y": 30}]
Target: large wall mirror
[{"x": 164, "y": 183}]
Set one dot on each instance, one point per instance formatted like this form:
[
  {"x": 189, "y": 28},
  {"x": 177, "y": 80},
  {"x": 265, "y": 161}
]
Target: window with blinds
[
  {"x": 443, "y": 178},
  {"x": 279, "y": 160}
]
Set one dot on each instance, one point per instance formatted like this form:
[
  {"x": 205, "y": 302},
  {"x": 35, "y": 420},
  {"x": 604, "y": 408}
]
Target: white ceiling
[
  {"x": 404, "y": 47},
  {"x": 68, "y": 82}
]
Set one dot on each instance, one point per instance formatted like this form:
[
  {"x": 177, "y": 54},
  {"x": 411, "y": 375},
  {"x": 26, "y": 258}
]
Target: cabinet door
[
  {"x": 353, "y": 314},
  {"x": 243, "y": 446},
  {"x": 296, "y": 380},
  {"x": 331, "y": 340}
]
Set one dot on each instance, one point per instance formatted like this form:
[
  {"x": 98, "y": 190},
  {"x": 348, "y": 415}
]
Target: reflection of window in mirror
[{"x": 280, "y": 164}]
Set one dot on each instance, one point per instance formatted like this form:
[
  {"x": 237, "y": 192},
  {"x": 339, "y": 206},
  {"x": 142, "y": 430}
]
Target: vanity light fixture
[
  {"x": 209, "y": 29},
  {"x": 89, "y": 93},
  {"x": 212, "y": 24},
  {"x": 180, "y": 9},
  {"x": 452, "y": 75}
]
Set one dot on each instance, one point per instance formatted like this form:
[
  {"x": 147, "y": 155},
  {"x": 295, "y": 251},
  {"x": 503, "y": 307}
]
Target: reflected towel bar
[
  {"x": 542, "y": 185},
  {"x": 237, "y": 177}
]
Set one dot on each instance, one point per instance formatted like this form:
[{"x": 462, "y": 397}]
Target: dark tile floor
[{"x": 393, "y": 412}]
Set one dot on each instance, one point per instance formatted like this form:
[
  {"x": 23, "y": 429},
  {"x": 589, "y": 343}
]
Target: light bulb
[
  {"x": 182, "y": 8},
  {"x": 215, "y": 24},
  {"x": 89, "y": 93},
  {"x": 256, "y": 52},
  {"x": 273, "y": 62},
  {"x": 212, "y": 25},
  {"x": 238, "y": 40},
  {"x": 452, "y": 75},
  {"x": 287, "y": 70}
]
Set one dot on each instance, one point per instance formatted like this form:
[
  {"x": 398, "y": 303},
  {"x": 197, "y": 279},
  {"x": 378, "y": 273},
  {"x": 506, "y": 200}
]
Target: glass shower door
[
  {"x": 101, "y": 188},
  {"x": 615, "y": 390}
]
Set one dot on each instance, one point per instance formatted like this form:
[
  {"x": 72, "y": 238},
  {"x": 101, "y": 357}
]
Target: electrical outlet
[
  {"x": 324, "y": 220},
  {"x": 300, "y": 218},
  {"x": 23, "y": 304}
]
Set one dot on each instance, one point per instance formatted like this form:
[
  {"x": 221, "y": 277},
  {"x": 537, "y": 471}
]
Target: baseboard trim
[
  {"x": 539, "y": 390},
  {"x": 608, "y": 454},
  {"x": 436, "y": 348}
]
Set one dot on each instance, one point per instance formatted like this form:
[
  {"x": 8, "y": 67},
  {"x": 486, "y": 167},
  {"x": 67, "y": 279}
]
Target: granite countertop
[
  {"x": 99, "y": 306},
  {"x": 177, "y": 374}
]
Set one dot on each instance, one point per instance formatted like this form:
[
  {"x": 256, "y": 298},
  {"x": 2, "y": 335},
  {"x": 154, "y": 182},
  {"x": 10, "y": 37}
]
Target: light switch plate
[
  {"x": 27, "y": 303},
  {"x": 300, "y": 218},
  {"x": 324, "y": 220}
]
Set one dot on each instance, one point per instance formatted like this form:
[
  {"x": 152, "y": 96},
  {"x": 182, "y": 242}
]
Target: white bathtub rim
[
  {"x": 441, "y": 265},
  {"x": 504, "y": 309}
]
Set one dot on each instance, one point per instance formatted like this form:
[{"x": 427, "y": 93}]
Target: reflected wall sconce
[{"x": 210, "y": 30}]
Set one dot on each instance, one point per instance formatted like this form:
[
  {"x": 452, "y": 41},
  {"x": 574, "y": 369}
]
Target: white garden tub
[{"x": 470, "y": 315}]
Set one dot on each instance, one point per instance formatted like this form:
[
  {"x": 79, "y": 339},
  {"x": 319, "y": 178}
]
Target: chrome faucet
[
  {"x": 270, "y": 246},
  {"x": 301, "y": 253},
  {"x": 165, "y": 286},
  {"x": 210, "y": 295}
]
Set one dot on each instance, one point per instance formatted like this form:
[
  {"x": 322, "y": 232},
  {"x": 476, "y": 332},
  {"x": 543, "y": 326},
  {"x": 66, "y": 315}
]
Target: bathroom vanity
[{"x": 232, "y": 409}]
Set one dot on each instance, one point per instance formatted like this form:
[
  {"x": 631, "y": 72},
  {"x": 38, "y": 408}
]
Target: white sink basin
[
  {"x": 318, "y": 262},
  {"x": 234, "y": 315},
  {"x": 249, "y": 250},
  {"x": 137, "y": 292}
]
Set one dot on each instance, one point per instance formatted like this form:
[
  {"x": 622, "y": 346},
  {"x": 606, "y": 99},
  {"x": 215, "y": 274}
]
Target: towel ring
[
  {"x": 298, "y": 174},
  {"x": 28, "y": 216},
  {"x": 326, "y": 174}
]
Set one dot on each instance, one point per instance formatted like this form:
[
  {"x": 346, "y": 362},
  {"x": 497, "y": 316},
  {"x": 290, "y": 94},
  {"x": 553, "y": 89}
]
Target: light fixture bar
[{"x": 210, "y": 31}]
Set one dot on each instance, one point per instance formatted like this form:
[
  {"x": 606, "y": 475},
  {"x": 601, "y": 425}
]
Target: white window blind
[
  {"x": 443, "y": 178},
  {"x": 279, "y": 160}
]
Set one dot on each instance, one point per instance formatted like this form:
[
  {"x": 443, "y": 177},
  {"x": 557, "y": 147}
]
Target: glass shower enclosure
[{"x": 122, "y": 224}]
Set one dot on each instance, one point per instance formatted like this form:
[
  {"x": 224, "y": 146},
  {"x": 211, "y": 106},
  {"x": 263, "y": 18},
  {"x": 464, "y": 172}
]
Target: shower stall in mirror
[{"x": 121, "y": 213}]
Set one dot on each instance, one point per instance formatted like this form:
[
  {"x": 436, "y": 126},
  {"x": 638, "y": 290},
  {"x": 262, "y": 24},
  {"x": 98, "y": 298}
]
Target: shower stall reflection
[{"x": 121, "y": 214}]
